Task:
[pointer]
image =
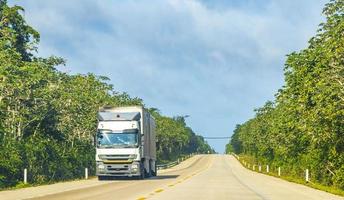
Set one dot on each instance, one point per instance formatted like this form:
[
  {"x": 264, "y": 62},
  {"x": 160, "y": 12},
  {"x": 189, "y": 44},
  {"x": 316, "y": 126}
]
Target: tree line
[
  {"x": 304, "y": 126},
  {"x": 48, "y": 118}
]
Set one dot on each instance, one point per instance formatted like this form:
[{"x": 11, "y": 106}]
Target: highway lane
[
  {"x": 135, "y": 189},
  {"x": 226, "y": 179},
  {"x": 110, "y": 189},
  {"x": 201, "y": 177}
]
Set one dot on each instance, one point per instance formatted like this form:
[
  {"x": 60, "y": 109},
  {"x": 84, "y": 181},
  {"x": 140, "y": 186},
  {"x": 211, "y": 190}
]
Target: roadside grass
[
  {"x": 21, "y": 185},
  {"x": 315, "y": 185}
]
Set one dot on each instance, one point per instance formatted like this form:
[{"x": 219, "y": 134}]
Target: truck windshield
[{"x": 110, "y": 139}]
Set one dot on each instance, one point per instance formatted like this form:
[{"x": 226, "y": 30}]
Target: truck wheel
[
  {"x": 156, "y": 169},
  {"x": 150, "y": 171},
  {"x": 101, "y": 178},
  {"x": 154, "y": 173},
  {"x": 142, "y": 172}
]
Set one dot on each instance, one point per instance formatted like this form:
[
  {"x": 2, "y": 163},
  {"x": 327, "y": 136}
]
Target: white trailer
[{"x": 125, "y": 143}]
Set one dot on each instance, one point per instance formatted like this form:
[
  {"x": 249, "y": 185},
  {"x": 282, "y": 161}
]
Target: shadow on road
[{"x": 159, "y": 177}]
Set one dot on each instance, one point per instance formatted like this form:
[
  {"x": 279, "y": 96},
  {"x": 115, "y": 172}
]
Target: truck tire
[
  {"x": 150, "y": 171},
  {"x": 155, "y": 172},
  {"x": 101, "y": 178},
  {"x": 142, "y": 171},
  {"x": 152, "y": 168}
]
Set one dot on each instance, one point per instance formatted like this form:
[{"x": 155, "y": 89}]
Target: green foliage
[
  {"x": 10, "y": 163},
  {"x": 235, "y": 144},
  {"x": 304, "y": 126},
  {"x": 48, "y": 118},
  {"x": 14, "y": 28}
]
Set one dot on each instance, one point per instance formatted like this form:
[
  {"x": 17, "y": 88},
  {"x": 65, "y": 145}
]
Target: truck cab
[{"x": 125, "y": 143}]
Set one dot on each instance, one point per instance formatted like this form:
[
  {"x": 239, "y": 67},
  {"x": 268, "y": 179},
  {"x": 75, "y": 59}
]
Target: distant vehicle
[{"x": 125, "y": 143}]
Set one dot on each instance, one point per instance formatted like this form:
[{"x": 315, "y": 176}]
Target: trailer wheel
[
  {"x": 155, "y": 172},
  {"x": 150, "y": 171}
]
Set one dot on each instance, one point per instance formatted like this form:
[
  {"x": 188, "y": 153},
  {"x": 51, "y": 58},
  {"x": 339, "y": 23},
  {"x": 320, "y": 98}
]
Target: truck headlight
[
  {"x": 101, "y": 166},
  {"x": 134, "y": 167}
]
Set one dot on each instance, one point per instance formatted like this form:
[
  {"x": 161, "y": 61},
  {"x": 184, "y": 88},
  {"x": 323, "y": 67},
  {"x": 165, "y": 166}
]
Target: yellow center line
[
  {"x": 158, "y": 190},
  {"x": 180, "y": 181}
]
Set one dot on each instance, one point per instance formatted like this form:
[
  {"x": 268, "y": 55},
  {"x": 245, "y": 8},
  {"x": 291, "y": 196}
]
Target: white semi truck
[{"x": 125, "y": 143}]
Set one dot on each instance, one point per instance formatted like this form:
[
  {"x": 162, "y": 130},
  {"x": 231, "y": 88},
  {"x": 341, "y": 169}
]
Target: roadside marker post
[
  {"x": 86, "y": 173},
  {"x": 279, "y": 171},
  {"x": 260, "y": 168},
  {"x": 267, "y": 169},
  {"x": 307, "y": 175},
  {"x": 25, "y": 176}
]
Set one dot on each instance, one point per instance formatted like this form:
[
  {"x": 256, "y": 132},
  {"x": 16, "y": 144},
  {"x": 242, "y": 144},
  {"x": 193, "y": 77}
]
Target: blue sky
[{"x": 213, "y": 60}]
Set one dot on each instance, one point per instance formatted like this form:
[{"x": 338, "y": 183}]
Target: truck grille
[
  {"x": 117, "y": 168},
  {"x": 115, "y": 158}
]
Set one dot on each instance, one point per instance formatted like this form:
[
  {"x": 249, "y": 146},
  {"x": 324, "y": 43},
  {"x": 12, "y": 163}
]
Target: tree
[{"x": 304, "y": 126}]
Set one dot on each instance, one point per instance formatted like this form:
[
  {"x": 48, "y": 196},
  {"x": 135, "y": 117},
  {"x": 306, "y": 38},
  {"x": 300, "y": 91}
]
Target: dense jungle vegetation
[
  {"x": 304, "y": 126},
  {"x": 48, "y": 118}
]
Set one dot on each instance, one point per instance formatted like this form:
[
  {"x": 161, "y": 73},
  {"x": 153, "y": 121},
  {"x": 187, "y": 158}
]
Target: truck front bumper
[{"x": 107, "y": 169}]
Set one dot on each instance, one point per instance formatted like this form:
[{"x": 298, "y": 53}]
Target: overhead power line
[{"x": 216, "y": 138}]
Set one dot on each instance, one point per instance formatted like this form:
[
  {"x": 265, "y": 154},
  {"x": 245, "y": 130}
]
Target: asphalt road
[{"x": 200, "y": 177}]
